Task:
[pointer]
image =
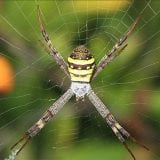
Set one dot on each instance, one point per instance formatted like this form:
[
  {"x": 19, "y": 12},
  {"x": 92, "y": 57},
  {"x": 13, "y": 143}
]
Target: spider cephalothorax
[{"x": 81, "y": 65}]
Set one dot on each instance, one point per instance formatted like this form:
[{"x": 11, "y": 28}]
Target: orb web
[{"x": 129, "y": 85}]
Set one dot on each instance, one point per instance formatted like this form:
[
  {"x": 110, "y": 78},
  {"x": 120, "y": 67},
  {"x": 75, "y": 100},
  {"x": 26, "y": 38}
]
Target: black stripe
[
  {"x": 83, "y": 67},
  {"x": 84, "y": 75},
  {"x": 88, "y": 57}
]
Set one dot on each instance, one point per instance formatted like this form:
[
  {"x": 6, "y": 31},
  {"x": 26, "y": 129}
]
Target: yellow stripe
[
  {"x": 80, "y": 72},
  {"x": 81, "y": 79},
  {"x": 80, "y": 61}
]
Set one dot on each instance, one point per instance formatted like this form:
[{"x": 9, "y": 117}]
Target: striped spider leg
[
  {"x": 45, "y": 118},
  {"x": 118, "y": 130},
  {"x": 116, "y": 49},
  {"x": 52, "y": 50}
]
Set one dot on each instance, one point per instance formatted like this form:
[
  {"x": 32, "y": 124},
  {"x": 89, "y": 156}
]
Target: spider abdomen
[
  {"x": 81, "y": 70},
  {"x": 81, "y": 64}
]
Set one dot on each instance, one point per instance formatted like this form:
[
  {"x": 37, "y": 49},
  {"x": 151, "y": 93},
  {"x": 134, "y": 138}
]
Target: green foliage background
[{"x": 130, "y": 85}]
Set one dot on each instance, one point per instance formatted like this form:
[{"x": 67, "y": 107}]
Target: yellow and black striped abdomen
[{"x": 81, "y": 70}]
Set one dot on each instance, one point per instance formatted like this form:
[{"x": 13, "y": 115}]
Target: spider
[{"x": 81, "y": 69}]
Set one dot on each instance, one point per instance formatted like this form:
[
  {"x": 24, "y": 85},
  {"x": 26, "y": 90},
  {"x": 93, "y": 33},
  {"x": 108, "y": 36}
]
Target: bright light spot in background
[
  {"x": 100, "y": 6},
  {"x": 6, "y": 76}
]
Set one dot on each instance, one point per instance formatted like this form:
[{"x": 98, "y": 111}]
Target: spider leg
[
  {"x": 45, "y": 118},
  {"x": 118, "y": 130},
  {"x": 52, "y": 50},
  {"x": 116, "y": 50}
]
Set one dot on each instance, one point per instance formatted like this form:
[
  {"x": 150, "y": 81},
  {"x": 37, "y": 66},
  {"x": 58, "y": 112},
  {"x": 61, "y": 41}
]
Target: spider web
[{"x": 129, "y": 85}]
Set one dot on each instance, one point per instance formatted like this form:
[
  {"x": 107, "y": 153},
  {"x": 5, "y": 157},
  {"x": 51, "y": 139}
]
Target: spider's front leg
[
  {"x": 118, "y": 130},
  {"x": 40, "y": 124}
]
